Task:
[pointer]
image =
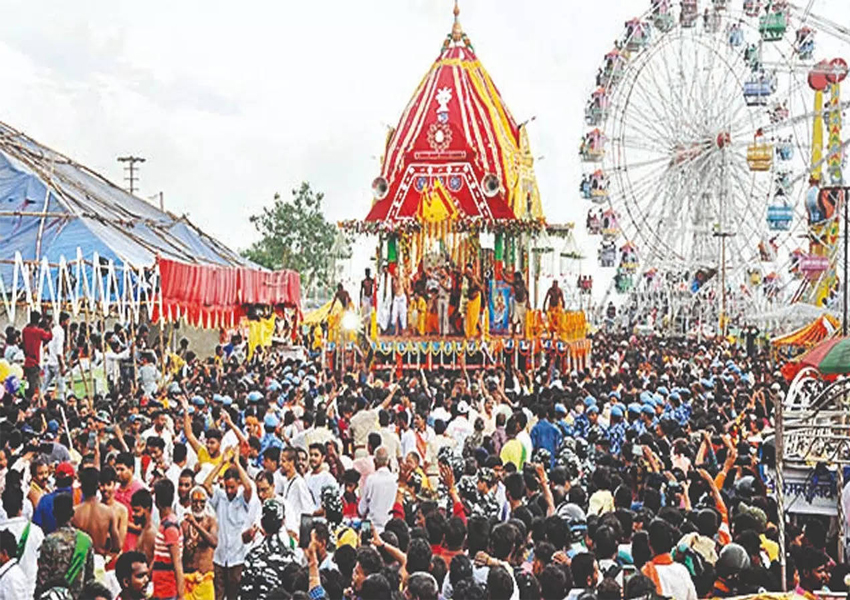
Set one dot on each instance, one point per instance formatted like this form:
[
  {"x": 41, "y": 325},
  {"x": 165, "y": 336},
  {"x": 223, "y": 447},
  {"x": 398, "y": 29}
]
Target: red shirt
[
  {"x": 33, "y": 337},
  {"x": 163, "y": 576}
]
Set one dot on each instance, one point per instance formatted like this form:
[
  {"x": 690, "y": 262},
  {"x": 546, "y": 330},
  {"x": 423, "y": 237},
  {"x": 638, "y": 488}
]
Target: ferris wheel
[{"x": 699, "y": 151}]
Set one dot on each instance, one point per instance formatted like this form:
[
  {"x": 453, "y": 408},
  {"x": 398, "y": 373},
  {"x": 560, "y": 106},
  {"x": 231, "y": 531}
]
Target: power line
[{"x": 130, "y": 169}]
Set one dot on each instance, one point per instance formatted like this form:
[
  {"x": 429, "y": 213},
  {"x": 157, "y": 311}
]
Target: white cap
[{"x": 463, "y": 407}]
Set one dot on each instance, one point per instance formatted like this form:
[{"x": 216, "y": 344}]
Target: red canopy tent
[
  {"x": 210, "y": 296},
  {"x": 457, "y": 130}
]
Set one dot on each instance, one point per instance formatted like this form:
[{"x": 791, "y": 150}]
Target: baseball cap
[
  {"x": 590, "y": 401},
  {"x": 64, "y": 470},
  {"x": 254, "y": 396},
  {"x": 463, "y": 407},
  {"x": 270, "y": 421},
  {"x": 198, "y": 401},
  {"x": 53, "y": 426},
  {"x": 616, "y": 411},
  {"x": 560, "y": 409},
  {"x": 648, "y": 410}
]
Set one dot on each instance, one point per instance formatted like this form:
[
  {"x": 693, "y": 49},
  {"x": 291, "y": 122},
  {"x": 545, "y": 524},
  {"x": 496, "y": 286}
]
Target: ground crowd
[{"x": 646, "y": 476}]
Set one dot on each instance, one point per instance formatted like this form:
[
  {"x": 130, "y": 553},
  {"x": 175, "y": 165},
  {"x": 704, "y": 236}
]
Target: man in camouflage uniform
[
  {"x": 616, "y": 429},
  {"x": 66, "y": 557},
  {"x": 264, "y": 565}
]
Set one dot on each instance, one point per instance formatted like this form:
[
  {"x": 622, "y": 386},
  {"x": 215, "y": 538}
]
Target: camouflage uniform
[
  {"x": 264, "y": 566},
  {"x": 54, "y": 561}
]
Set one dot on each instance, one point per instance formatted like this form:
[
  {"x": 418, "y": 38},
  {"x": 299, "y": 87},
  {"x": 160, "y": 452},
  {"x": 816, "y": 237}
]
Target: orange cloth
[{"x": 650, "y": 570}]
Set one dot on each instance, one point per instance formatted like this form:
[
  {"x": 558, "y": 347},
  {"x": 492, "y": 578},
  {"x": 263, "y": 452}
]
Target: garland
[{"x": 459, "y": 225}]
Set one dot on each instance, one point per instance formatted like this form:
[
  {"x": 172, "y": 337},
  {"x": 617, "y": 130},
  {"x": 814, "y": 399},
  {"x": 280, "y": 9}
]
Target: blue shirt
[
  {"x": 43, "y": 515},
  {"x": 269, "y": 440},
  {"x": 545, "y": 435}
]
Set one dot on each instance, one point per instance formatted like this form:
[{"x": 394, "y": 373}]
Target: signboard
[{"x": 806, "y": 494}]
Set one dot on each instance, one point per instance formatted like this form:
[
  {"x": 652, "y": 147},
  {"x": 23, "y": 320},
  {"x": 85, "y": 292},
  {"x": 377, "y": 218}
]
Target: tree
[{"x": 295, "y": 235}]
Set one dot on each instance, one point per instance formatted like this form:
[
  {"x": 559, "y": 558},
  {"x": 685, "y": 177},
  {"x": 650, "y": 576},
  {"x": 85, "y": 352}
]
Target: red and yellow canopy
[{"x": 458, "y": 131}]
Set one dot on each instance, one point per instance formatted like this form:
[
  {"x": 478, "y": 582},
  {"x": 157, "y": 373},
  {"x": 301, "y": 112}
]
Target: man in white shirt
[
  {"x": 389, "y": 439},
  {"x": 407, "y": 435},
  {"x": 56, "y": 357},
  {"x": 19, "y": 526},
  {"x": 379, "y": 493},
  {"x": 160, "y": 429},
  {"x": 13, "y": 582},
  {"x": 319, "y": 477},
  {"x": 295, "y": 490},
  {"x": 460, "y": 428},
  {"x": 672, "y": 579}
]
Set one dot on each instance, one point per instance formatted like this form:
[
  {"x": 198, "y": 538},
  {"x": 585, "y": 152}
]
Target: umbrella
[{"x": 830, "y": 357}]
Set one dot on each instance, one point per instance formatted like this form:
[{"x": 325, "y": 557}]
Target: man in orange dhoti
[{"x": 554, "y": 303}]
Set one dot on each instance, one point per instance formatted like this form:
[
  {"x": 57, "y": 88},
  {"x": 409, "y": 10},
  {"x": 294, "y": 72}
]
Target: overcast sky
[{"x": 231, "y": 102}]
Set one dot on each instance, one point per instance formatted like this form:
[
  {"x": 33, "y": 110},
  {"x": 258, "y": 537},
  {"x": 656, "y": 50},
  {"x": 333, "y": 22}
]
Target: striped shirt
[{"x": 168, "y": 535}]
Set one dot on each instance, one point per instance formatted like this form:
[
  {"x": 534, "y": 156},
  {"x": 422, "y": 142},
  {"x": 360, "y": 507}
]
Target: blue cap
[
  {"x": 590, "y": 401},
  {"x": 645, "y": 395},
  {"x": 616, "y": 411},
  {"x": 226, "y": 400},
  {"x": 273, "y": 386},
  {"x": 217, "y": 398},
  {"x": 648, "y": 410},
  {"x": 271, "y": 421},
  {"x": 560, "y": 408},
  {"x": 634, "y": 407},
  {"x": 198, "y": 401},
  {"x": 53, "y": 426},
  {"x": 254, "y": 396},
  {"x": 675, "y": 396},
  {"x": 174, "y": 388},
  {"x": 662, "y": 390},
  {"x": 614, "y": 394},
  {"x": 592, "y": 410}
]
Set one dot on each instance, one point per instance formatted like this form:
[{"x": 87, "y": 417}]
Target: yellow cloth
[
  {"x": 260, "y": 334},
  {"x": 770, "y": 547},
  {"x": 200, "y": 586},
  {"x": 204, "y": 457},
  {"x": 421, "y": 314},
  {"x": 473, "y": 313},
  {"x": 176, "y": 363},
  {"x": 513, "y": 451}
]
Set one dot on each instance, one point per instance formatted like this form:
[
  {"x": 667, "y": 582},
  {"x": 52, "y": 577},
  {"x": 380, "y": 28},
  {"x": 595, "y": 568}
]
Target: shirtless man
[
  {"x": 398, "y": 316},
  {"x": 184, "y": 487},
  {"x": 96, "y": 519},
  {"x": 554, "y": 303},
  {"x": 200, "y": 537},
  {"x": 142, "y": 504},
  {"x": 108, "y": 483},
  {"x": 367, "y": 290},
  {"x": 342, "y": 297}
]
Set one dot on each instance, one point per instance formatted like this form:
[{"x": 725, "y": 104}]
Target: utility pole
[
  {"x": 159, "y": 196},
  {"x": 130, "y": 169}
]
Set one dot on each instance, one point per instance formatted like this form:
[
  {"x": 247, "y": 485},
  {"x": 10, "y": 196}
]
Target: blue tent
[{"x": 51, "y": 206}]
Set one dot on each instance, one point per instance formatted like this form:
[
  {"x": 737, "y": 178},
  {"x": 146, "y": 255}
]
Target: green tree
[{"x": 296, "y": 235}]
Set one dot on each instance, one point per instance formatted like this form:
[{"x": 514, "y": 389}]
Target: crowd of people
[{"x": 646, "y": 476}]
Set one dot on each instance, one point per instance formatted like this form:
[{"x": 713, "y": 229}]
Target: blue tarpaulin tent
[{"x": 51, "y": 207}]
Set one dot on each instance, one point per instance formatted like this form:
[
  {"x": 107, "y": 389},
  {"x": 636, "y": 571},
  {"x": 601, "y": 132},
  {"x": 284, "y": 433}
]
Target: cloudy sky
[{"x": 231, "y": 102}]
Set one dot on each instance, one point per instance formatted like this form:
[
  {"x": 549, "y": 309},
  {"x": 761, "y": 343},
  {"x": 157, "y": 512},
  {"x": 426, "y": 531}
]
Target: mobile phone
[
  {"x": 365, "y": 532},
  {"x": 305, "y": 531}
]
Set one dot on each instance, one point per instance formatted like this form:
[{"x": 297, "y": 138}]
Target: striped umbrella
[{"x": 830, "y": 357}]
